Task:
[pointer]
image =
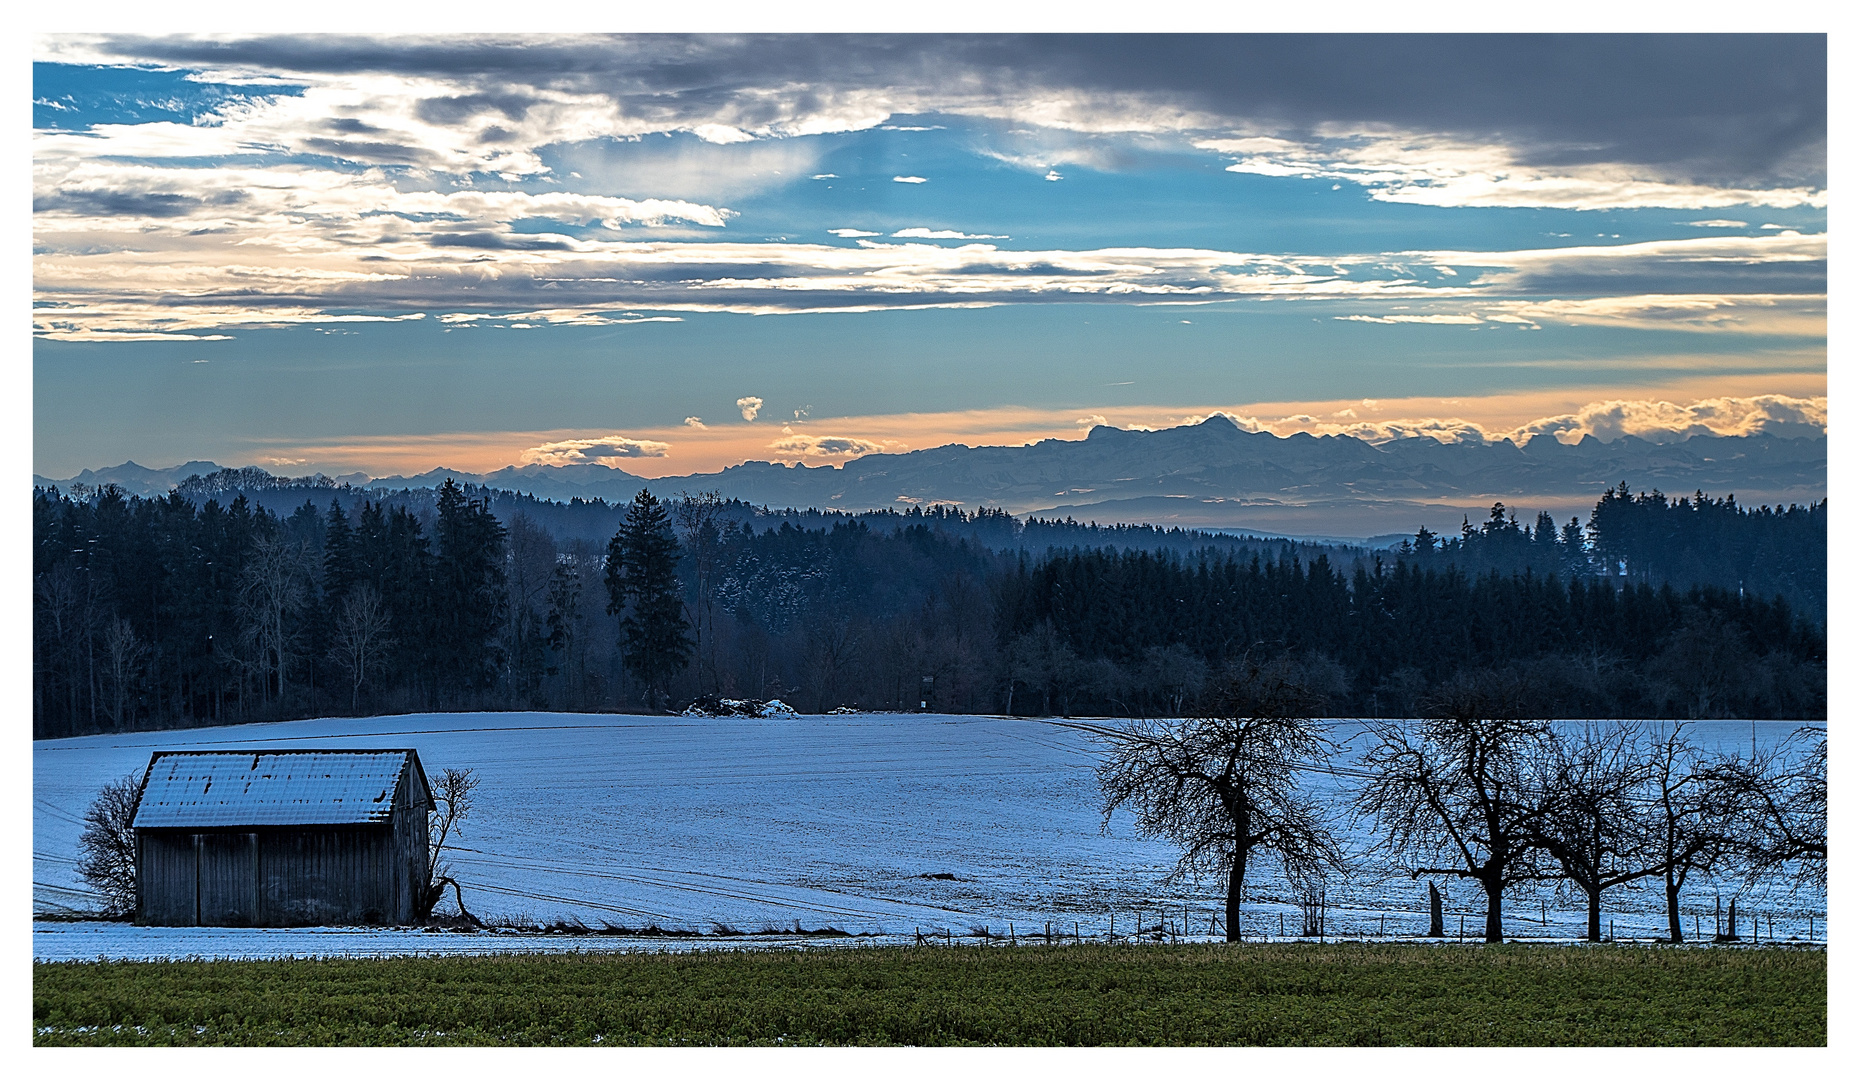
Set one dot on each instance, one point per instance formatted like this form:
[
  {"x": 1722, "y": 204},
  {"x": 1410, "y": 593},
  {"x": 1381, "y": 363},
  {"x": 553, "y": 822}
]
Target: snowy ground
[{"x": 843, "y": 821}]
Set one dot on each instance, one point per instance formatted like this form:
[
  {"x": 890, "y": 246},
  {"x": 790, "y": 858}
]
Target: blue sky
[{"x": 671, "y": 254}]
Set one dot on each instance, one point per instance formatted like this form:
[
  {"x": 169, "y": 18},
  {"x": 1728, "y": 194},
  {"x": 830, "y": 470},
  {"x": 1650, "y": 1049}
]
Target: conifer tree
[
  {"x": 469, "y": 608},
  {"x": 643, "y": 589}
]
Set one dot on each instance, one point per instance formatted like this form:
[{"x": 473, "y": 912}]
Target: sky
[{"x": 669, "y": 254}]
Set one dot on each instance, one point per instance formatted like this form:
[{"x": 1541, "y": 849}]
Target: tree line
[
  {"x": 189, "y": 610},
  {"x": 1477, "y": 790}
]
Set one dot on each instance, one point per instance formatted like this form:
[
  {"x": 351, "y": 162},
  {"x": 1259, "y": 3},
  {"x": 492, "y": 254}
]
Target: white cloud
[
  {"x": 1052, "y": 174},
  {"x": 593, "y": 451},
  {"x": 825, "y": 176},
  {"x": 1719, "y": 223},
  {"x": 823, "y": 446},
  {"x": 942, "y": 234},
  {"x": 1092, "y": 421},
  {"x": 850, "y": 233},
  {"x": 694, "y": 422},
  {"x": 125, "y": 247},
  {"x": 1437, "y": 320},
  {"x": 749, "y": 406},
  {"x": 721, "y": 134},
  {"x": 1652, "y": 420},
  {"x": 909, "y": 180},
  {"x": 1664, "y": 421},
  {"x": 1439, "y": 170}
]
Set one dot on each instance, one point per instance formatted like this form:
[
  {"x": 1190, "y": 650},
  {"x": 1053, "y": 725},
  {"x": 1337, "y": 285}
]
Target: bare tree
[
  {"x": 529, "y": 563},
  {"x": 273, "y": 589},
  {"x": 1592, "y": 819},
  {"x": 124, "y": 655},
  {"x": 1693, "y": 811},
  {"x": 1174, "y": 675},
  {"x": 1456, "y": 797},
  {"x": 360, "y": 641},
  {"x": 452, "y": 791},
  {"x": 832, "y": 645},
  {"x": 699, "y": 520},
  {"x": 107, "y": 846},
  {"x": 1783, "y": 808},
  {"x": 1041, "y": 659},
  {"x": 1225, "y": 785}
]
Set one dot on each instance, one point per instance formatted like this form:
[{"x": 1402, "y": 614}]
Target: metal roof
[{"x": 217, "y": 789}]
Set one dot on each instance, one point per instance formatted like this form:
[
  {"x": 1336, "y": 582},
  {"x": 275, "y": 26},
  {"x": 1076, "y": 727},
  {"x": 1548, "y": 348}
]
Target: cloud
[
  {"x": 909, "y": 180},
  {"x": 850, "y": 233},
  {"x": 1652, "y": 420},
  {"x": 942, "y": 234},
  {"x": 694, "y": 422},
  {"x": 1719, "y": 223},
  {"x": 1664, "y": 421},
  {"x": 1435, "y": 170},
  {"x": 750, "y": 406},
  {"x": 593, "y": 451},
  {"x": 1092, "y": 421},
  {"x": 125, "y": 246},
  {"x": 823, "y": 446},
  {"x": 1052, "y": 174},
  {"x": 1683, "y": 111},
  {"x": 1437, "y": 320},
  {"x": 825, "y": 176}
]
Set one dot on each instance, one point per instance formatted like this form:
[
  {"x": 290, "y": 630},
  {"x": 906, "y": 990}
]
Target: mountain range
[{"x": 1211, "y": 475}]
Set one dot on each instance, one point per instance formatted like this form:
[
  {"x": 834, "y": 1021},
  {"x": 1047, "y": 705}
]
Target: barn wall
[
  {"x": 408, "y": 858},
  {"x": 271, "y": 877},
  {"x": 314, "y": 876},
  {"x": 228, "y": 879},
  {"x": 165, "y": 878}
]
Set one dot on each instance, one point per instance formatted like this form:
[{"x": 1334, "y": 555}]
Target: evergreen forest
[{"x": 243, "y": 597}]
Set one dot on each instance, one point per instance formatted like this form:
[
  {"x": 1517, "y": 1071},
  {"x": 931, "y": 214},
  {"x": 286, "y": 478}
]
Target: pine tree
[
  {"x": 470, "y": 596},
  {"x": 643, "y": 589}
]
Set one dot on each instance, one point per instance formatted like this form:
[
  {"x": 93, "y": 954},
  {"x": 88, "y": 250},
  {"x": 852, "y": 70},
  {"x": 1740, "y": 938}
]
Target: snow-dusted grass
[
  {"x": 874, "y": 824},
  {"x": 1091, "y": 995}
]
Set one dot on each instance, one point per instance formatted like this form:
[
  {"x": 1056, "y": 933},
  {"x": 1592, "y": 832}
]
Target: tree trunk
[
  {"x": 1494, "y": 911},
  {"x": 1674, "y": 933},
  {"x": 1436, "y": 921},
  {"x": 1236, "y": 875},
  {"x": 1595, "y": 914}
]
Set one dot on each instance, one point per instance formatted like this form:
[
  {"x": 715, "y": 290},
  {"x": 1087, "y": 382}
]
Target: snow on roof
[{"x": 271, "y": 787}]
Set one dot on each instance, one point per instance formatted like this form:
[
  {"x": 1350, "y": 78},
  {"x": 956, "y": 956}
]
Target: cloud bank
[
  {"x": 598, "y": 451},
  {"x": 337, "y": 176},
  {"x": 1649, "y": 419}
]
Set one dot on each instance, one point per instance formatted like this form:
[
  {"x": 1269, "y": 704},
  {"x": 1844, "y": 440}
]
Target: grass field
[{"x": 1341, "y": 994}]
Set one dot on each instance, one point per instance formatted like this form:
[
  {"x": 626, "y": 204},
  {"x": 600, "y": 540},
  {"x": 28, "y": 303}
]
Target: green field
[{"x": 1340, "y": 994}]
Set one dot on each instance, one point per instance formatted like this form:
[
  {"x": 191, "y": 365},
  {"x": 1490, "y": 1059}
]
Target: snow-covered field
[{"x": 875, "y": 824}]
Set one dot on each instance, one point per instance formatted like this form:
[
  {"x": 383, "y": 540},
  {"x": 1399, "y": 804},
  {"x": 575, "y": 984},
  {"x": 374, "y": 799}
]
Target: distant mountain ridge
[{"x": 1207, "y": 475}]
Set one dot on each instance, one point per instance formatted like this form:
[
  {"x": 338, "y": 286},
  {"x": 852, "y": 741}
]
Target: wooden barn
[{"x": 281, "y": 837}]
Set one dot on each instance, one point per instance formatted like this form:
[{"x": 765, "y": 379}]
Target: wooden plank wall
[{"x": 165, "y": 878}]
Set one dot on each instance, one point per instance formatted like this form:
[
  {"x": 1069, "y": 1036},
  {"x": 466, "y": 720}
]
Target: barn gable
[{"x": 195, "y": 789}]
